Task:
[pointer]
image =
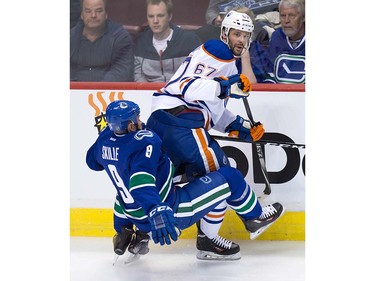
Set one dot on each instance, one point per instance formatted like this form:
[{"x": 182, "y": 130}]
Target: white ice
[{"x": 91, "y": 259}]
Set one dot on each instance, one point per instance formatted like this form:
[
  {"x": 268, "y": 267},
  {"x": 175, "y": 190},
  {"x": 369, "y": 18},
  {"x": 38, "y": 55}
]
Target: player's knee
[
  {"x": 235, "y": 179},
  {"x": 231, "y": 175}
]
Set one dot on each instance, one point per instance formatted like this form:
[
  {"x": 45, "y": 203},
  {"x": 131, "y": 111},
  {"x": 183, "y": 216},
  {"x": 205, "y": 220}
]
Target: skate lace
[
  {"x": 267, "y": 211},
  {"x": 222, "y": 242}
]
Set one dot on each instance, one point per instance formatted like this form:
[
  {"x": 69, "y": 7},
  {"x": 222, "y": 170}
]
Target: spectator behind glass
[
  {"x": 162, "y": 47},
  {"x": 286, "y": 51},
  {"x": 100, "y": 49},
  {"x": 215, "y": 13}
]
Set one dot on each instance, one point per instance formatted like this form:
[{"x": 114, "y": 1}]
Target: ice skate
[
  {"x": 217, "y": 248},
  {"x": 139, "y": 243},
  {"x": 137, "y": 248},
  {"x": 122, "y": 240},
  {"x": 270, "y": 214}
]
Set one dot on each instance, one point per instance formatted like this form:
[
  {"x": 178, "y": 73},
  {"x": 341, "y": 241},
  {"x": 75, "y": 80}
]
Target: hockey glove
[
  {"x": 163, "y": 225},
  {"x": 241, "y": 128},
  {"x": 235, "y": 86},
  {"x": 245, "y": 84},
  {"x": 257, "y": 131}
]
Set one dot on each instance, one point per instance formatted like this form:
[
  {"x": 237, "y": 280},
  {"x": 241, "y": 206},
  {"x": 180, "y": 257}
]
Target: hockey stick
[
  {"x": 290, "y": 145},
  {"x": 260, "y": 152}
]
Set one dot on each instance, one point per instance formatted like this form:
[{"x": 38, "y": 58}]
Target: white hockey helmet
[{"x": 236, "y": 20}]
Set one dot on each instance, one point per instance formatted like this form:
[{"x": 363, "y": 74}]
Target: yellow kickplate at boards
[{"x": 99, "y": 223}]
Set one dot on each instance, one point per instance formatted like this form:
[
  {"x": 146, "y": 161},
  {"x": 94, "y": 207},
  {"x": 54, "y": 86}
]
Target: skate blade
[
  {"x": 129, "y": 257},
  {"x": 255, "y": 235},
  {"x": 115, "y": 259},
  {"x": 204, "y": 255}
]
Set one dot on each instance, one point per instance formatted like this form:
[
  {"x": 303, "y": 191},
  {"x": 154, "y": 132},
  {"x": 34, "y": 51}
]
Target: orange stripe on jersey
[
  {"x": 209, "y": 215},
  {"x": 207, "y": 152},
  {"x": 183, "y": 83},
  {"x": 216, "y": 58},
  {"x": 207, "y": 125}
]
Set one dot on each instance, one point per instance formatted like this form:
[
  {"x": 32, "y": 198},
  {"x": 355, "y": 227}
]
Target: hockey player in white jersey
[{"x": 193, "y": 102}]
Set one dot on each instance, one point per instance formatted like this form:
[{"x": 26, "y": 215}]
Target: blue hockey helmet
[{"x": 119, "y": 113}]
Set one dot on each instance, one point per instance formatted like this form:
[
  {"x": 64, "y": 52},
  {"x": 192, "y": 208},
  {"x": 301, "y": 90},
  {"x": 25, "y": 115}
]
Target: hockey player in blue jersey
[
  {"x": 193, "y": 102},
  {"x": 142, "y": 175},
  {"x": 286, "y": 50}
]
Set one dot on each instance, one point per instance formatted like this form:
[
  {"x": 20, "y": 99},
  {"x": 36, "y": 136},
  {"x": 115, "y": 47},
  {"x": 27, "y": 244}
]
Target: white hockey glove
[
  {"x": 236, "y": 86},
  {"x": 163, "y": 225}
]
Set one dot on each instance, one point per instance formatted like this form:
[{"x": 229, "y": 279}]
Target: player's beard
[{"x": 237, "y": 50}]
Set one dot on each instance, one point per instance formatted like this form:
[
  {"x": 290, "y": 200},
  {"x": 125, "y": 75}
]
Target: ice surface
[{"x": 91, "y": 259}]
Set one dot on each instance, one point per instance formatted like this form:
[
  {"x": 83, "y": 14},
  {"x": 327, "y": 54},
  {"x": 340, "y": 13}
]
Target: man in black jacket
[
  {"x": 162, "y": 47},
  {"x": 100, "y": 49}
]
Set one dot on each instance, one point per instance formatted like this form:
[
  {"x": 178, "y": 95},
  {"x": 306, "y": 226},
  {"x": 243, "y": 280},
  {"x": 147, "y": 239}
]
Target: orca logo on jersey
[
  {"x": 206, "y": 179},
  {"x": 225, "y": 160},
  {"x": 143, "y": 134},
  {"x": 290, "y": 69}
]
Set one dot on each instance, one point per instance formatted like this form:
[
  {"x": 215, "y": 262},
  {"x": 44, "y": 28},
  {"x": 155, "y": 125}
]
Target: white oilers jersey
[{"x": 193, "y": 86}]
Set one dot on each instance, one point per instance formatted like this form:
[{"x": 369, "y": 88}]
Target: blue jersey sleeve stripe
[
  {"x": 185, "y": 87},
  {"x": 178, "y": 78}
]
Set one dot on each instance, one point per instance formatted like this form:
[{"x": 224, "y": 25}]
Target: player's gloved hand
[
  {"x": 163, "y": 225},
  {"x": 257, "y": 131},
  {"x": 241, "y": 128},
  {"x": 235, "y": 86},
  {"x": 245, "y": 84}
]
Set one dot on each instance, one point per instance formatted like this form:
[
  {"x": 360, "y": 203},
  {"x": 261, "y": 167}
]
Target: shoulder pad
[{"x": 218, "y": 49}]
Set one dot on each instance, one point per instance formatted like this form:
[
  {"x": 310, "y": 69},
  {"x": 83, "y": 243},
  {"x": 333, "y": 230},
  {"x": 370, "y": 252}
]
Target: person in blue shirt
[
  {"x": 142, "y": 174},
  {"x": 286, "y": 50}
]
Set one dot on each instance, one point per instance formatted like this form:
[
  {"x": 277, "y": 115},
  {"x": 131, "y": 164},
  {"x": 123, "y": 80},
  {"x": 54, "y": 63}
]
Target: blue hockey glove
[
  {"x": 242, "y": 129},
  {"x": 236, "y": 86},
  {"x": 163, "y": 225}
]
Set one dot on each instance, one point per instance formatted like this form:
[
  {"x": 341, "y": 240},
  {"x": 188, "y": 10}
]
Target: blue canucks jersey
[
  {"x": 141, "y": 173},
  {"x": 287, "y": 62}
]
